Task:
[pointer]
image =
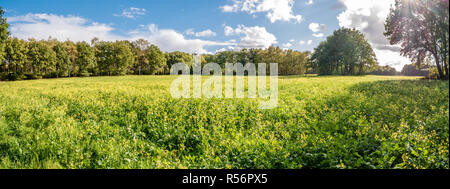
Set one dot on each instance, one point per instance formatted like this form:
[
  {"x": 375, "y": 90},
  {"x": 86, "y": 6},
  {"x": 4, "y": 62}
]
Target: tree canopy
[
  {"x": 4, "y": 33},
  {"x": 346, "y": 52},
  {"x": 421, "y": 28}
]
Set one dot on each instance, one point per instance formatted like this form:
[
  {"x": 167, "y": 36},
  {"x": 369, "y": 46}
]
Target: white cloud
[
  {"x": 287, "y": 45},
  {"x": 277, "y": 10},
  {"x": 41, "y": 26},
  {"x": 230, "y": 8},
  {"x": 205, "y": 33},
  {"x": 292, "y": 40},
  {"x": 309, "y": 42},
  {"x": 318, "y": 35},
  {"x": 170, "y": 40},
  {"x": 132, "y": 12},
  {"x": 391, "y": 58},
  {"x": 251, "y": 37},
  {"x": 301, "y": 42},
  {"x": 309, "y": 2},
  {"x": 316, "y": 27},
  {"x": 369, "y": 17}
]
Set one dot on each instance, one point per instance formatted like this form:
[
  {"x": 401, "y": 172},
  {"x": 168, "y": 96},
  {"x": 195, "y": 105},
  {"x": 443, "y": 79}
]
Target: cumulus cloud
[
  {"x": 251, "y": 37},
  {"x": 170, "y": 40},
  {"x": 369, "y": 17},
  {"x": 41, "y": 26},
  {"x": 205, "y": 33},
  {"x": 302, "y": 42},
  {"x": 309, "y": 2},
  {"x": 318, "y": 35},
  {"x": 132, "y": 12},
  {"x": 316, "y": 27},
  {"x": 287, "y": 45},
  {"x": 277, "y": 10}
]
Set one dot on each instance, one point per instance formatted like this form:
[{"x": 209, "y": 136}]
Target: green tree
[
  {"x": 104, "y": 56},
  {"x": 346, "y": 52},
  {"x": 421, "y": 27},
  {"x": 85, "y": 59},
  {"x": 384, "y": 70},
  {"x": 123, "y": 57},
  {"x": 255, "y": 56},
  {"x": 294, "y": 63},
  {"x": 141, "y": 62},
  {"x": 4, "y": 34},
  {"x": 178, "y": 57},
  {"x": 72, "y": 52},
  {"x": 157, "y": 60},
  {"x": 413, "y": 70},
  {"x": 63, "y": 60},
  {"x": 16, "y": 55},
  {"x": 41, "y": 58},
  {"x": 114, "y": 58}
]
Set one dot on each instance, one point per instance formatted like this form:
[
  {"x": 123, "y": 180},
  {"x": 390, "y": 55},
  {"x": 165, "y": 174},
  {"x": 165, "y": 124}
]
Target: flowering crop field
[{"x": 126, "y": 122}]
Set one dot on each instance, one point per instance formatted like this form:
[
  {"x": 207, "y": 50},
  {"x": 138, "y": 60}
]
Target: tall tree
[
  {"x": 178, "y": 57},
  {"x": 72, "y": 52},
  {"x": 346, "y": 52},
  {"x": 104, "y": 56},
  {"x": 157, "y": 59},
  {"x": 123, "y": 57},
  {"x": 141, "y": 61},
  {"x": 384, "y": 70},
  {"x": 421, "y": 27},
  {"x": 16, "y": 54},
  {"x": 413, "y": 70},
  {"x": 85, "y": 59},
  {"x": 63, "y": 61},
  {"x": 114, "y": 58},
  {"x": 41, "y": 58},
  {"x": 4, "y": 33},
  {"x": 294, "y": 63}
]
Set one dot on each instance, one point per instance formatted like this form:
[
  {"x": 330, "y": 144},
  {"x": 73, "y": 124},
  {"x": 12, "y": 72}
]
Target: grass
[{"x": 132, "y": 122}]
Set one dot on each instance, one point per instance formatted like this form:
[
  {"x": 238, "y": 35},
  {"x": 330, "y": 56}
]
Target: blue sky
[{"x": 203, "y": 26}]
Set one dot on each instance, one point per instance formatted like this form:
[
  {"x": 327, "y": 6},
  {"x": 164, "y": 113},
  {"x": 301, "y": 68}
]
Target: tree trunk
[
  {"x": 438, "y": 65},
  {"x": 445, "y": 70}
]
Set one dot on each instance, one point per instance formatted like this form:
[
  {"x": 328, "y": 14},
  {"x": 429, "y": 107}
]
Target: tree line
[
  {"x": 345, "y": 52},
  {"x": 35, "y": 59},
  {"x": 290, "y": 62}
]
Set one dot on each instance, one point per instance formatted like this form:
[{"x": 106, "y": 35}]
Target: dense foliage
[
  {"x": 412, "y": 70},
  {"x": 4, "y": 33},
  {"x": 384, "y": 70},
  {"x": 421, "y": 28},
  {"x": 346, "y": 52},
  {"x": 290, "y": 62},
  {"x": 51, "y": 58},
  {"x": 132, "y": 122}
]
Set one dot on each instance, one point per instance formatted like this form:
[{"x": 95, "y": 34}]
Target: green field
[{"x": 133, "y": 122}]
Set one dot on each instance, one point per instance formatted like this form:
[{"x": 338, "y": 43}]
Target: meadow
[{"x": 332, "y": 122}]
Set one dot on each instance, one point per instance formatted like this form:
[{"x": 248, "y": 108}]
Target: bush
[
  {"x": 52, "y": 75},
  {"x": 12, "y": 76},
  {"x": 85, "y": 74},
  {"x": 32, "y": 76},
  {"x": 432, "y": 74}
]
